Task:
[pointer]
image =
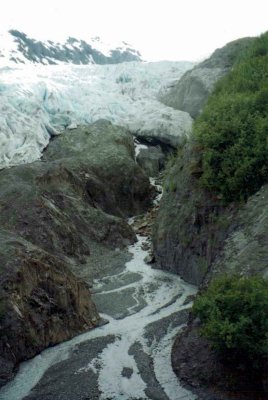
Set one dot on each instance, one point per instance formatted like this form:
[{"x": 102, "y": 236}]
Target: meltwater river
[{"x": 129, "y": 357}]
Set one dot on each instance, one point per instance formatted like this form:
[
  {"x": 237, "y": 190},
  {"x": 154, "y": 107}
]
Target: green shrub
[
  {"x": 232, "y": 131},
  {"x": 234, "y": 316}
]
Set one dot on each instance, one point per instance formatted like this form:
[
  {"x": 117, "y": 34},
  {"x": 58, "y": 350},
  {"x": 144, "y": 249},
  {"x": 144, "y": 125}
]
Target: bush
[
  {"x": 232, "y": 131},
  {"x": 234, "y": 316}
]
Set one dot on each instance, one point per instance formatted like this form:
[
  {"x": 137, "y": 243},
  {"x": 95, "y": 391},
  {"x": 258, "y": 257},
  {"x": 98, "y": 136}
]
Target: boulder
[{"x": 151, "y": 160}]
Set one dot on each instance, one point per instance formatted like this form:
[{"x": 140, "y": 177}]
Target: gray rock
[
  {"x": 53, "y": 214},
  {"x": 245, "y": 250},
  {"x": 199, "y": 238},
  {"x": 146, "y": 246},
  {"x": 200, "y": 368},
  {"x": 192, "y": 225},
  {"x": 151, "y": 160},
  {"x": 149, "y": 259},
  {"x": 127, "y": 372},
  {"x": 191, "y": 92},
  {"x": 186, "y": 234},
  {"x": 103, "y": 156},
  {"x": 41, "y": 302}
]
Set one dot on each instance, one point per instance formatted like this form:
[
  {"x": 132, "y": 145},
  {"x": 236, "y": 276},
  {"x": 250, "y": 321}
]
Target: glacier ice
[{"x": 37, "y": 102}]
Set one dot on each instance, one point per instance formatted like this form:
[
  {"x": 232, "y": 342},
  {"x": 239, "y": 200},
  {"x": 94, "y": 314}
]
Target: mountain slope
[
  {"x": 191, "y": 92},
  {"x": 202, "y": 233},
  {"x": 16, "y": 47}
]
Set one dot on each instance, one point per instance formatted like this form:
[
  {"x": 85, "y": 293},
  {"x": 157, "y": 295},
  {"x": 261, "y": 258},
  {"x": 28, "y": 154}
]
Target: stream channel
[{"x": 127, "y": 358}]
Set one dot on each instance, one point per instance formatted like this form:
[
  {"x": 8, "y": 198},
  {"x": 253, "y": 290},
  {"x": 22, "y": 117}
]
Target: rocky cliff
[
  {"x": 42, "y": 302},
  {"x": 53, "y": 213},
  {"x": 200, "y": 235},
  {"x": 191, "y": 224},
  {"x": 244, "y": 252},
  {"x": 199, "y": 238},
  {"x": 191, "y": 92}
]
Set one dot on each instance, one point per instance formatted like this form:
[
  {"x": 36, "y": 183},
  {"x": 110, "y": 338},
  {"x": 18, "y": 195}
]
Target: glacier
[{"x": 38, "y": 102}]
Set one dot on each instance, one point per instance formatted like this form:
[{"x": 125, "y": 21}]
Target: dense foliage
[
  {"x": 234, "y": 316},
  {"x": 232, "y": 131}
]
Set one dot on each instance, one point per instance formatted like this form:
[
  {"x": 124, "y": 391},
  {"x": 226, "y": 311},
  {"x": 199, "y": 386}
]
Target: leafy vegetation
[
  {"x": 234, "y": 316},
  {"x": 232, "y": 131}
]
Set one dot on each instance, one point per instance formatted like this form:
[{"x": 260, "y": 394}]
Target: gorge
[{"x": 88, "y": 242}]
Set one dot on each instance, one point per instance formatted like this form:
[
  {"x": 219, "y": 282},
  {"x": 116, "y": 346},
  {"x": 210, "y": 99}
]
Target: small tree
[
  {"x": 232, "y": 130},
  {"x": 234, "y": 316}
]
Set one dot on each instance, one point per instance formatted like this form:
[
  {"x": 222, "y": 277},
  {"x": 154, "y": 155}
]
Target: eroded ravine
[{"x": 128, "y": 358}]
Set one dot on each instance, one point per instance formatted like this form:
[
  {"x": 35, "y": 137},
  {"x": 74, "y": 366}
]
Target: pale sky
[{"x": 159, "y": 29}]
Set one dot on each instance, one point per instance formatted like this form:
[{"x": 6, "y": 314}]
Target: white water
[{"x": 159, "y": 289}]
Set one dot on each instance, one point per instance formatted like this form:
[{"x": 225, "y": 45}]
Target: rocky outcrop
[
  {"x": 41, "y": 302},
  {"x": 246, "y": 248},
  {"x": 103, "y": 159},
  {"x": 199, "y": 367},
  {"x": 191, "y": 92},
  {"x": 52, "y": 213},
  {"x": 191, "y": 225},
  {"x": 245, "y": 252},
  {"x": 199, "y": 238}
]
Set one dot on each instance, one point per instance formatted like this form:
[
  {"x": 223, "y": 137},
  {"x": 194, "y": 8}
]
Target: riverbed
[{"x": 129, "y": 357}]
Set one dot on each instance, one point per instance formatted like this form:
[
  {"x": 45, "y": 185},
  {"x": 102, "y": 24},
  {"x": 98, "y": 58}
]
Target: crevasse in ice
[{"x": 37, "y": 102}]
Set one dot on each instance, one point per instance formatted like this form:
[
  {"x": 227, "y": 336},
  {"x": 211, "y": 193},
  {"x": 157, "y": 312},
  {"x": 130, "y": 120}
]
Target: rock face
[
  {"x": 245, "y": 252},
  {"x": 151, "y": 160},
  {"x": 187, "y": 234},
  {"x": 198, "y": 238},
  {"x": 52, "y": 212},
  {"x": 27, "y": 50},
  {"x": 199, "y": 367},
  {"x": 104, "y": 157},
  {"x": 42, "y": 302},
  {"x": 191, "y": 92},
  {"x": 246, "y": 248}
]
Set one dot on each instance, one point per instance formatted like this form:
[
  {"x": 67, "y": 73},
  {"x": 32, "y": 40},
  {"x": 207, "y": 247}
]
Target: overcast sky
[{"x": 160, "y": 29}]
